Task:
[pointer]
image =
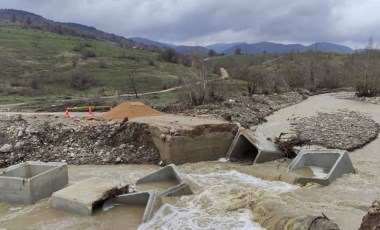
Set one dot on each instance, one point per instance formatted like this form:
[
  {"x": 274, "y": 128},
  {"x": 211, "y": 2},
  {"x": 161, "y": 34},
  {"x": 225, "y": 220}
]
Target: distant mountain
[
  {"x": 221, "y": 47},
  {"x": 272, "y": 48},
  {"x": 151, "y": 42},
  {"x": 189, "y": 49},
  {"x": 329, "y": 47},
  {"x": 180, "y": 49},
  {"x": 256, "y": 48}
]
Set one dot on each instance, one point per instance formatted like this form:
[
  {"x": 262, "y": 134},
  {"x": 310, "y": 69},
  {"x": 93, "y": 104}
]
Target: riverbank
[
  {"x": 81, "y": 139},
  {"x": 235, "y": 196}
]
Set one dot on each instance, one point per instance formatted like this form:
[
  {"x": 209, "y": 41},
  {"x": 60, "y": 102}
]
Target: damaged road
[{"x": 75, "y": 141}]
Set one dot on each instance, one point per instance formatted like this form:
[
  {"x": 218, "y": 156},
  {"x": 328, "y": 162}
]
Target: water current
[{"x": 223, "y": 191}]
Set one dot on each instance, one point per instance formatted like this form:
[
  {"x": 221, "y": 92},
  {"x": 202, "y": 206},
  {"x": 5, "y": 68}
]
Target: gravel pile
[
  {"x": 246, "y": 110},
  {"x": 346, "y": 130},
  {"x": 75, "y": 141}
]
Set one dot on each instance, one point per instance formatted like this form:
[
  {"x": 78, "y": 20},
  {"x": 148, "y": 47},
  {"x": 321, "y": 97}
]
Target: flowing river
[{"x": 224, "y": 192}]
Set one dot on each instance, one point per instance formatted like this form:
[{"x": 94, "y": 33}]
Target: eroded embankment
[{"x": 75, "y": 141}]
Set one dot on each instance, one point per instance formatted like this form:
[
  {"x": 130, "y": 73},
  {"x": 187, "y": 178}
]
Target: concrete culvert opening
[
  {"x": 28, "y": 171},
  {"x": 243, "y": 151}
]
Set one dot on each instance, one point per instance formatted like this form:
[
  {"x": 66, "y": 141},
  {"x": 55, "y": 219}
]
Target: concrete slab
[
  {"x": 82, "y": 196},
  {"x": 167, "y": 181},
  {"x": 321, "y": 166},
  {"x": 251, "y": 147},
  {"x": 31, "y": 181},
  {"x": 150, "y": 199},
  {"x": 182, "y": 139}
]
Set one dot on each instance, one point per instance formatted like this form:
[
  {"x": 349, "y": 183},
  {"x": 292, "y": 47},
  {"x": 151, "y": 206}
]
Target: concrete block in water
[
  {"x": 324, "y": 165},
  {"x": 150, "y": 199},
  {"x": 255, "y": 148},
  {"x": 31, "y": 181},
  {"x": 182, "y": 139},
  {"x": 82, "y": 197},
  {"x": 167, "y": 181}
]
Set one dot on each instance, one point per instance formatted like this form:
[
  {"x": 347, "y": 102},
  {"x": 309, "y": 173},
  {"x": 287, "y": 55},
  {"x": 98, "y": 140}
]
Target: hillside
[
  {"x": 39, "y": 65},
  {"x": 35, "y": 21}
]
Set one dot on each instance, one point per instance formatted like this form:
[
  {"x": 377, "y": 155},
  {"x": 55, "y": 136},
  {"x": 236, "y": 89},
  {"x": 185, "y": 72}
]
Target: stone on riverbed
[{"x": 6, "y": 148}]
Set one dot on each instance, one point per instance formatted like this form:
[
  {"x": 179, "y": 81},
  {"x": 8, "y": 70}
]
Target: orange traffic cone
[
  {"x": 89, "y": 111},
  {"x": 67, "y": 113}
]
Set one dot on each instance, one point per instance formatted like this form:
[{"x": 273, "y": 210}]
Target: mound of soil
[{"x": 130, "y": 110}]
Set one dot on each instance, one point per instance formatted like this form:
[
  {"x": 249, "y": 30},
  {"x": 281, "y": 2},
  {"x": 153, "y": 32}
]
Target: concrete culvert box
[
  {"x": 255, "y": 148},
  {"x": 321, "y": 166},
  {"x": 31, "y": 181},
  {"x": 149, "y": 201},
  {"x": 167, "y": 181},
  {"x": 85, "y": 196}
]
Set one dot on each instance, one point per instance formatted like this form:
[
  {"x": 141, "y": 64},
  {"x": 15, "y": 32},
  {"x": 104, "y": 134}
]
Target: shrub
[
  {"x": 87, "y": 53},
  {"x": 34, "y": 84},
  {"x": 81, "y": 79}
]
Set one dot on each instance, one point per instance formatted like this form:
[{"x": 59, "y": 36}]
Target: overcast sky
[{"x": 202, "y": 22}]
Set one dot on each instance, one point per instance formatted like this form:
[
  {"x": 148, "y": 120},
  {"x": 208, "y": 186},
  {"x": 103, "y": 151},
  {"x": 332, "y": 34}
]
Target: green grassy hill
[{"x": 39, "y": 65}]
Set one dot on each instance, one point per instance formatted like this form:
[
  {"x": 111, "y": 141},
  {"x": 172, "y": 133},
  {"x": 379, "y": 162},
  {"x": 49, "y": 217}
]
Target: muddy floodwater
[{"x": 225, "y": 192}]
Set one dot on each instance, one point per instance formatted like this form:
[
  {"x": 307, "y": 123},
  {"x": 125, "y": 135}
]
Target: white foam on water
[
  {"x": 235, "y": 177},
  {"x": 319, "y": 172},
  {"x": 108, "y": 205},
  {"x": 192, "y": 217},
  {"x": 206, "y": 209}
]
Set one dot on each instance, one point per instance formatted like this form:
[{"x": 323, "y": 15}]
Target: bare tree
[
  {"x": 310, "y": 69},
  {"x": 238, "y": 51},
  {"x": 197, "y": 85},
  {"x": 131, "y": 78},
  {"x": 365, "y": 68}
]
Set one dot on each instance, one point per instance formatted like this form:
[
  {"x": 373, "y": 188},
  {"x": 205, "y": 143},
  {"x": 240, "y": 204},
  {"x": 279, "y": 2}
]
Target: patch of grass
[{"x": 47, "y": 59}]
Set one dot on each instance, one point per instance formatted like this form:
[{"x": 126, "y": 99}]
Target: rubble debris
[
  {"x": 371, "y": 221},
  {"x": 6, "y": 148},
  {"x": 347, "y": 130},
  {"x": 323, "y": 223},
  {"x": 245, "y": 110},
  {"x": 75, "y": 141},
  {"x": 287, "y": 144},
  {"x": 111, "y": 193}
]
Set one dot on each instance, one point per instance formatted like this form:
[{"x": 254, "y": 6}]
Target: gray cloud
[{"x": 196, "y": 22}]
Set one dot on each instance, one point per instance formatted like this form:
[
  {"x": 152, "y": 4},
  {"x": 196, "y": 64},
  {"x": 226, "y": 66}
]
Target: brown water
[
  {"x": 160, "y": 185},
  {"x": 223, "y": 193},
  {"x": 345, "y": 201},
  {"x": 312, "y": 172}
]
